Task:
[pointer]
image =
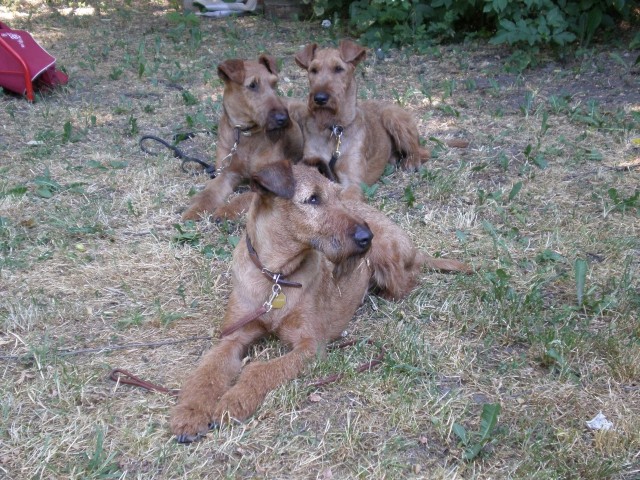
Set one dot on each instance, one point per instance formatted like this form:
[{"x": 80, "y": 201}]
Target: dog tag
[{"x": 279, "y": 301}]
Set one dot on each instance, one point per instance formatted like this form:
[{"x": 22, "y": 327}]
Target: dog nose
[
  {"x": 281, "y": 118},
  {"x": 321, "y": 98},
  {"x": 278, "y": 118},
  {"x": 363, "y": 236}
]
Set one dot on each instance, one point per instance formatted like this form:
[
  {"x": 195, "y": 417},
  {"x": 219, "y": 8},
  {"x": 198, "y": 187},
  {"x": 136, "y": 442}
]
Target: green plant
[
  {"x": 46, "y": 187},
  {"x": 409, "y": 197},
  {"x": 187, "y": 233},
  {"x": 526, "y": 25},
  {"x": 189, "y": 98},
  {"x": 475, "y": 442},
  {"x": 133, "y": 128},
  {"x": 99, "y": 464},
  {"x": 580, "y": 270},
  {"x": 369, "y": 191},
  {"x": 622, "y": 204}
]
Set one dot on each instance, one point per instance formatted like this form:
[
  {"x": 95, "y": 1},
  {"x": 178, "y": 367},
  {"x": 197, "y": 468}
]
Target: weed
[
  {"x": 369, "y": 191},
  {"x": 409, "y": 196},
  {"x": 187, "y": 233},
  {"x": 189, "y": 99},
  {"x": 132, "y": 124},
  {"x": 100, "y": 464},
  {"x": 474, "y": 443}
]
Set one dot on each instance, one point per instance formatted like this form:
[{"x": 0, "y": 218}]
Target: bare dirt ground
[{"x": 97, "y": 272}]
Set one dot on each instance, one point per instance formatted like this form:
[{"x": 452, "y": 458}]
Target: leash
[
  {"x": 119, "y": 375},
  {"x": 209, "y": 168}
]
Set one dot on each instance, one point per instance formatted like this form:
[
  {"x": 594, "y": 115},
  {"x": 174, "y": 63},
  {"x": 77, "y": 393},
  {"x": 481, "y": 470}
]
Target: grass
[{"x": 488, "y": 376}]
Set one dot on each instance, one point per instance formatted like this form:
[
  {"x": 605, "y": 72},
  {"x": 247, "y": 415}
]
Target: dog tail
[
  {"x": 446, "y": 264},
  {"x": 457, "y": 143},
  {"x": 425, "y": 153}
]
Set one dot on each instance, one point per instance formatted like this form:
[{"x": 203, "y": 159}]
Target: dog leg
[
  {"x": 213, "y": 196},
  {"x": 259, "y": 378},
  {"x": 234, "y": 208},
  {"x": 192, "y": 417}
]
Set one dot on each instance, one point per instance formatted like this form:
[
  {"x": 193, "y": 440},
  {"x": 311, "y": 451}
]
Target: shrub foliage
[{"x": 528, "y": 25}]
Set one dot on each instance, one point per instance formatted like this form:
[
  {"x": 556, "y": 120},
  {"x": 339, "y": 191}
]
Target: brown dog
[
  {"x": 254, "y": 130},
  {"x": 356, "y": 139},
  {"x": 303, "y": 268}
]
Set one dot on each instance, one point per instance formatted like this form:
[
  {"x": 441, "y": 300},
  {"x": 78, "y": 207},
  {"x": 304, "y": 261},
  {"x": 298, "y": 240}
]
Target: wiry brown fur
[
  {"x": 250, "y": 101},
  {"x": 375, "y": 133},
  {"x": 300, "y": 226}
]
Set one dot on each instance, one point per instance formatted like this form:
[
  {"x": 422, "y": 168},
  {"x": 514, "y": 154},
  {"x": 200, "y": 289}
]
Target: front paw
[
  {"x": 237, "y": 405},
  {"x": 411, "y": 164},
  {"x": 189, "y": 423},
  {"x": 194, "y": 213}
]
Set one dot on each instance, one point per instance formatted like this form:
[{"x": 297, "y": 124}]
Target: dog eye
[
  {"x": 253, "y": 85},
  {"x": 338, "y": 69},
  {"x": 313, "y": 200},
  {"x": 313, "y": 70}
]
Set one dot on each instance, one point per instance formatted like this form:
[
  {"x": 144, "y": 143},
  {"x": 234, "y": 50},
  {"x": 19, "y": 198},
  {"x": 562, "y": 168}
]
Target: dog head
[
  {"x": 331, "y": 74},
  {"x": 309, "y": 213},
  {"x": 250, "y": 97}
]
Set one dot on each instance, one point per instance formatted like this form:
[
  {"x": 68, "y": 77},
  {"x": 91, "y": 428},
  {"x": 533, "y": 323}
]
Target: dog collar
[
  {"x": 245, "y": 131},
  {"x": 276, "y": 278}
]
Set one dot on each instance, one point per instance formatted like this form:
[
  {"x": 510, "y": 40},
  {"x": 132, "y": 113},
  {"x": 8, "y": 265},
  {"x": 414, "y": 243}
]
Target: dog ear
[
  {"x": 276, "y": 178},
  {"x": 351, "y": 52},
  {"x": 322, "y": 167},
  {"x": 231, "y": 71},
  {"x": 303, "y": 57},
  {"x": 269, "y": 62}
]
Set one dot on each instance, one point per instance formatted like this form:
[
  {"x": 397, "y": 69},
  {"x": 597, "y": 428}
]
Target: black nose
[
  {"x": 363, "y": 236},
  {"x": 277, "y": 119},
  {"x": 281, "y": 118},
  {"x": 321, "y": 98}
]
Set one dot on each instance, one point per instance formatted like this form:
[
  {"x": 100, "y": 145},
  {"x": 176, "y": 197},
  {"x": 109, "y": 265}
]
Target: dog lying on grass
[
  {"x": 254, "y": 130},
  {"x": 356, "y": 139},
  {"x": 305, "y": 264}
]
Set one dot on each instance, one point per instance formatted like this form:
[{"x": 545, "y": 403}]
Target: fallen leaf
[{"x": 315, "y": 398}]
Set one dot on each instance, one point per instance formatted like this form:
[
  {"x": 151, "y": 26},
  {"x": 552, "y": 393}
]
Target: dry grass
[{"x": 98, "y": 264}]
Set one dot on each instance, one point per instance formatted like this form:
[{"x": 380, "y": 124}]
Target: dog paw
[
  {"x": 411, "y": 166},
  {"x": 236, "y": 405},
  {"x": 192, "y": 214},
  {"x": 187, "y": 438},
  {"x": 189, "y": 424}
]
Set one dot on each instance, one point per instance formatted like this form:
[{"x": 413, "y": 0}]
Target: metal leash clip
[
  {"x": 336, "y": 131},
  {"x": 276, "y": 291}
]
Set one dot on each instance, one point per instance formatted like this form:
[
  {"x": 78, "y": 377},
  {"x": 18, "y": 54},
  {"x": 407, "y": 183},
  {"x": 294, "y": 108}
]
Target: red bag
[{"x": 24, "y": 62}]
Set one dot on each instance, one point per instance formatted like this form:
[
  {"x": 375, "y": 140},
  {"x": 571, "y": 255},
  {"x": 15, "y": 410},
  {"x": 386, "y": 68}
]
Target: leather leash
[
  {"x": 120, "y": 375},
  {"x": 209, "y": 168}
]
